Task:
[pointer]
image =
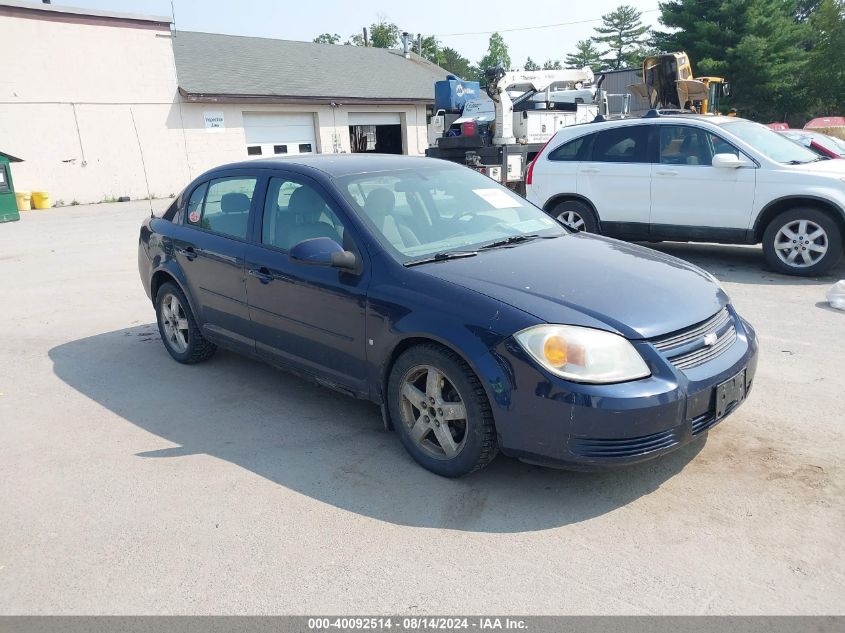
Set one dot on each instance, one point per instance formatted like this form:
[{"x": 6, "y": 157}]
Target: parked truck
[{"x": 500, "y": 131}]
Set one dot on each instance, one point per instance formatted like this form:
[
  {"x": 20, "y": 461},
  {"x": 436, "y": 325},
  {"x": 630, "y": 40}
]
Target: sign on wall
[{"x": 214, "y": 120}]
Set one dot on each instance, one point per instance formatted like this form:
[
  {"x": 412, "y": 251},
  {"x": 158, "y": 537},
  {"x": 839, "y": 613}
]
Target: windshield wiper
[
  {"x": 513, "y": 239},
  {"x": 442, "y": 257},
  {"x": 804, "y": 162}
]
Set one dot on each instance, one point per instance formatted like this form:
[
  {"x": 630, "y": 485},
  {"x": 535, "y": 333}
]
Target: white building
[{"x": 102, "y": 104}]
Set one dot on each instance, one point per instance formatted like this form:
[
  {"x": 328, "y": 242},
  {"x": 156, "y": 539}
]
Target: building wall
[
  {"x": 208, "y": 148},
  {"x": 68, "y": 98},
  {"x": 92, "y": 103},
  {"x": 617, "y": 82}
]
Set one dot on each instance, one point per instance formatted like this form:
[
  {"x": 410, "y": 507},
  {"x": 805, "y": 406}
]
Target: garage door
[
  {"x": 275, "y": 133},
  {"x": 374, "y": 118}
]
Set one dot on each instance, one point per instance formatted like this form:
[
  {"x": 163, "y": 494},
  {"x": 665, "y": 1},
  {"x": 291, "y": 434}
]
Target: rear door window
[
  {"x": 225, "y": 206},
  {"x": 573, "y": 150},
  {"x": 624, "y": 144}
]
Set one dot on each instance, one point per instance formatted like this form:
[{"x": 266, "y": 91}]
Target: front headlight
[{"x": 582, "y": 354}]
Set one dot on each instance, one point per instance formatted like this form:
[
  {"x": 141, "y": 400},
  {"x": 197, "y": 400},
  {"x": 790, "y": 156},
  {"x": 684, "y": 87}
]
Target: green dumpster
[{"x": 8, "y": 203}]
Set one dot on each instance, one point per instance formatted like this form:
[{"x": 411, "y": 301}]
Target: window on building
[
  {"x": 4, "y": 179},
  {"x": 280, "y": 149},
  {"x": 305, "y": 148},
  {"x": 254, "y": 150}
]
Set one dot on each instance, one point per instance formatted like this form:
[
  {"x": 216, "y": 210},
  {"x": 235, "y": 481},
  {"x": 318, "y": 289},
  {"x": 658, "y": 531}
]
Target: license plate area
[{"x": 729, "y": 394}]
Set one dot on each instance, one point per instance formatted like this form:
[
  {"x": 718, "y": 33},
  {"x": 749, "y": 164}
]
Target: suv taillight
[{"x": 529, "y": 175}]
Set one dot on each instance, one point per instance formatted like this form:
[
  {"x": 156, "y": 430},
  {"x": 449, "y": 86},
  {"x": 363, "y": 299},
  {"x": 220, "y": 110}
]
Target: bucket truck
[{"x": 500, "y": 135}]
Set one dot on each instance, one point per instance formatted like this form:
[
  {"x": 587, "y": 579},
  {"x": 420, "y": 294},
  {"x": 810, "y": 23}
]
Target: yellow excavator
[{"x": 668, "y": 83}]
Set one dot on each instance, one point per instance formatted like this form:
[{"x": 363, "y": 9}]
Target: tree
[
  {"x": 586, "y": 54},
  {"x": 384, "y": 34},
  {"x": 624, "y": 34},
  {"x": 431, "y": 50},
  {"x": 457, "y": 64},
  {"x": 497, "y": 54},
  {"x": 552, "y": 65},
  {"x": 760, "y": 46},
  {"x": 827, "y": 80},
  {"x": 530, "y": 64},
  {"x": 327, "y": 38}
]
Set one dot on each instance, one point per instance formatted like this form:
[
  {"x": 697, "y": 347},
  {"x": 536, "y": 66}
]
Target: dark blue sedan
[{"x": 476, "y": 321}]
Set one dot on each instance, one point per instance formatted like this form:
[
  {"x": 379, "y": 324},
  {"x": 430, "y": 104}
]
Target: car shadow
[
  {"x": 328, "y": 446},
  {"x": 740, "y": 264}
]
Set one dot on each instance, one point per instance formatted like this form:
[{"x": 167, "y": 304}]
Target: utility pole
[{"x": 366, "y": 41}]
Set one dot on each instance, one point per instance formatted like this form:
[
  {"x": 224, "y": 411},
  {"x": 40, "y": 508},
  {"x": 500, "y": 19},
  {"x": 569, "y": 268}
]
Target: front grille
[
  {"x": 703, "y": 422},
  {"x": 686, "y": 349},
  {"x": 630, "y": 447}
]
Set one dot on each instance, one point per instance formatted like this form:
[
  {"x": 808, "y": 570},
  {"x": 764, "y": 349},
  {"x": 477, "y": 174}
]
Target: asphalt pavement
[{"x": 130, "y": 484}]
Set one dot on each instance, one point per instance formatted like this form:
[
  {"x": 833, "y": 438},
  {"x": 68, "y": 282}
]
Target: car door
[
  {"x": 691, "y": 199},
  {"x": 615, "y": 177},
  {"x": 210, "y": 250},
  {"x": 556, "y": 171},
  {"x": 305, "y": 316}
]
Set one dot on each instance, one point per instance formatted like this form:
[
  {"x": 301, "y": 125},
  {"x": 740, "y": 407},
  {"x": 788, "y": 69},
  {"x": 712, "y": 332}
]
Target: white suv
[{"x": 696, "y": 178}]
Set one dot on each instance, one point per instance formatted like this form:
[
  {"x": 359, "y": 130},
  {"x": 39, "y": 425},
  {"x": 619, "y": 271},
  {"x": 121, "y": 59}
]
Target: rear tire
[
  {"x": 440, "y": 411},
  {"x": 576, "y": 215},
  {"x": 802, "y": 241},
  {"x": 178, "y": 328}
]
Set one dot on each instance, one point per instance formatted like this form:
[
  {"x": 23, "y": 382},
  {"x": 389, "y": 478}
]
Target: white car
[{"x": 696, "y": 178}]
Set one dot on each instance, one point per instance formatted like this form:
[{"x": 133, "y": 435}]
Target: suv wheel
[
  {"x": 802, "y": 242},
  {"x": 577, "y": 215},
  {"x": 440, "y": 411},
  {"x": 178, "y": 328}
]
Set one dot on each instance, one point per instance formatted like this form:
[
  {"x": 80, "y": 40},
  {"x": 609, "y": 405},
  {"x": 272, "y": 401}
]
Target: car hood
[
  {"x": 592, "y": 281},
  {"x": 833, "y": 166}
]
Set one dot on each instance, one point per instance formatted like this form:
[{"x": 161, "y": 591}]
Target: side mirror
[
  {"x": 730, "y": 161},
  {"x": 322, "y": 251},
  {"x": 726, "y": 89}
]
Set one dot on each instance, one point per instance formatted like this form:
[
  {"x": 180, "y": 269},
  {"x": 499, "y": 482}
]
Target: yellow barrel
[
  {"x": 41, "y": 200},
  {"x": 24, "y": 200}
]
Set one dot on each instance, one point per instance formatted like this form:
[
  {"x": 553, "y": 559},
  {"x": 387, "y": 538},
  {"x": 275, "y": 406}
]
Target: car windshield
[
  {"x": 832, "y": 143},
  {"x": 769, "y": 143},
  {"x": 441, "y": 210}
]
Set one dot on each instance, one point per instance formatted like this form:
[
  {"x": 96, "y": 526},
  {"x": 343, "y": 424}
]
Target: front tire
[
  {"x": 576, "y": 215},
  {"x": 178, "y": 328},
  {"x": 440, "y": 411},
  {"x": 802, "y": 241}
]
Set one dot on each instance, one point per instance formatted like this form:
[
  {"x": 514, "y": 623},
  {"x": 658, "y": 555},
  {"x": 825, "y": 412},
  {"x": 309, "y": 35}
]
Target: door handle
[
  {"x": 666, "y": 172},
  {"x": 262, "y": 274},
  {"x": 189, "y": 253},
  {"x": 589, "y": 170}
]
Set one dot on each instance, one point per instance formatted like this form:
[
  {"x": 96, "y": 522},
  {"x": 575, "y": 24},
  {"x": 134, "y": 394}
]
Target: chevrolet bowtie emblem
[{"x": 711, "y": 339}]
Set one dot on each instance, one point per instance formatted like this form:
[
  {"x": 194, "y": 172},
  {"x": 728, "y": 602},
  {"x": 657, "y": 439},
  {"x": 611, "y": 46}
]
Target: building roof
[
  {"x": 216, "y": 67},
  {"x": 76, "y": 11},
  {"x": 10, "y": 158}
]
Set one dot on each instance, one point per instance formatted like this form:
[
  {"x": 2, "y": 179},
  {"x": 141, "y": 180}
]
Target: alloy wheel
[
  {"x": 801, "y": 243},
  {"x": 175, "y": 323},
  {"x": 433, "y": 411},
  {"x": 572, "y": 219}
]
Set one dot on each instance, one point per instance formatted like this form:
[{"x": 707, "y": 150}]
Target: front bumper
[{"x": 547, "y": 420}]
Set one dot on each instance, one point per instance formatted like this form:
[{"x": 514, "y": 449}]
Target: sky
[{"x": 287, "y": 19}]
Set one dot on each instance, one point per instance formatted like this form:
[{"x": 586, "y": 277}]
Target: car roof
[
  {"x": 664, "y": 119},
  {"x": 341, "y": 164}
]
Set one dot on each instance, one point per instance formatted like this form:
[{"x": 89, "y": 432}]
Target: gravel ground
[{"x": 130, "y": 484}]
